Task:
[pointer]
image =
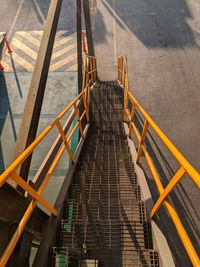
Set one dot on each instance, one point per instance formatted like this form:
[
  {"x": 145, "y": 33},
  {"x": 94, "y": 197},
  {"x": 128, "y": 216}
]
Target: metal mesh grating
[{"x": 104, "y": 218}]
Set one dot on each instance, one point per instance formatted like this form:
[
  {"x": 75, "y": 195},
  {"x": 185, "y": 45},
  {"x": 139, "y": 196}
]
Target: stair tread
[{"x": 104, "y": 211}]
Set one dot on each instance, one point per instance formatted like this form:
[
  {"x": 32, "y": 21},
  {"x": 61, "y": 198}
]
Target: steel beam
[
  {"x": 86, "y": 10},
  {"x": 30, "y": 119},
  {"x": 79, "y": 43}
]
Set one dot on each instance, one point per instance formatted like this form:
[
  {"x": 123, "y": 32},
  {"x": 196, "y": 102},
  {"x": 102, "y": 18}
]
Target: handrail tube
[
  {"x": 29, "y": 149},
  {"x": 177, "y": 154},
  {"x": 37, "y": 179},
  {"x": 174, "y": 216},
  {"x": 69, "y": 106},
  {"x": 24, "y": 155},
  {"x": 32, "y": 193},
  {"x": 168, "y": 189},
  {"x": 185, "y": 166},
  {"x": 58, "y": 148}
]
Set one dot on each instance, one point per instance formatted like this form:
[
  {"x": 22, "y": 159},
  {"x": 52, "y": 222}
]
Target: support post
[
  {"x": 86, "y": 10},
  {"x": 144, "y": 133},
  {"x": 31, "y": 115},
  {"x": 79, "y": 43}
]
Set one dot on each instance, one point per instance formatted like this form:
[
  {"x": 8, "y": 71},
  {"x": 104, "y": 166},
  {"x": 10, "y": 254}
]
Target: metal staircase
[
  {"x": 104, "y": 221},
  {"x": 99, "y": 214}
]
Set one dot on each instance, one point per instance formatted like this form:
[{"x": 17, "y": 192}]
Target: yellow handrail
[
  {"x": 90, "y": 77},
  {"x": 186, "y": 167}
]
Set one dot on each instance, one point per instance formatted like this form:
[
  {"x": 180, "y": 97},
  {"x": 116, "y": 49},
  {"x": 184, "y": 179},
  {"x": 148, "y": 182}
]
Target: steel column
[
  {"x": 86, "y": 10},
  {"x": 79, "y": 43},
  {"x": 31, "y": 115}
]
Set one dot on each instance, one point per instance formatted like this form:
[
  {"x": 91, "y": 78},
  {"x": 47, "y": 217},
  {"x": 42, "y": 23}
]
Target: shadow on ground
[
  {"x": 156, "y": 23},
  {"x": 181, "y": 200}
]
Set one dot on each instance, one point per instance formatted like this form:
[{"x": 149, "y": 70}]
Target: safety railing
[
  {"x": 185, "y": 166},
  {"x": 90, "y": 77}
]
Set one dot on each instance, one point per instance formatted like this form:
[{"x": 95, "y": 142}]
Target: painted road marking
[
  {"x": 64, "y": 40},
  {"x": 25, "y": 64},
  {"x": 63, "y": 62},
  {"x": 31, "y": 38},
  {"x": 25, "y": 46},
  {"x": 27, "y": 50},
  {"x": 64, "y": 50}
]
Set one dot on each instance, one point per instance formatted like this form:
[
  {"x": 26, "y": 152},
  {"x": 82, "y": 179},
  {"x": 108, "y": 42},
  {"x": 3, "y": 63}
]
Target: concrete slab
[{"x": 59, "y": 93}]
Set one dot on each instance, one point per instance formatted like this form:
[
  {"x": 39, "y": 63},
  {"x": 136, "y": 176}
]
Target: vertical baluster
[
  {"x": 62, "y": 134},
  {"x": 144, "y": 133},
  {"x": 132, "y": 117}
]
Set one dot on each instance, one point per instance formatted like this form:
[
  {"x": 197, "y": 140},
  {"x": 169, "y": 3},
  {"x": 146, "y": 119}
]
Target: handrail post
[
  {"x": 84, "y": 73},
  {"x": 62, "y": 134},
  {"x": 177, "y": 177},
  {"x": 124, "y": 69},
  {"x": 95, "y": 65},
  {"x": 118, "y": 68},
  {"x": 132, "y": 117},
  {"x": 85, "y": 106},
  {"x": 144, "y": 133},
  {"x": 126, "y": 88},
  {"x": 78, "y": 118}
]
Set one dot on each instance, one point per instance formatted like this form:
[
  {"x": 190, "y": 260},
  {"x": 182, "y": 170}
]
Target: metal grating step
[
  {"x": 106, "y": 116},
  {"x": 104, "y": 218},
  {"x": 61, "y": 256},
  {"x": 98, "y": 178},
  {"x": 109, "y": 192},
  {"x": 107, "y": 235},
  {"x": 101, "y": 209}
]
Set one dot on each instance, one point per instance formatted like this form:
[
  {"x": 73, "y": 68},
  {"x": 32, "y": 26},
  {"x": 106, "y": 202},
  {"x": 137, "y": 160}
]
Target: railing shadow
[
  {"x": 179, "y": 198},
  {"x": 5, "y": 109},
  {"x": 155, "y": 24}
]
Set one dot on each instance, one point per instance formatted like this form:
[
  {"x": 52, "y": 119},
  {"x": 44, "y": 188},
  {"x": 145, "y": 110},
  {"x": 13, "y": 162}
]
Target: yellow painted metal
[
  {"x": 62, "y": 134},
  {"x": 177, "y": 154},
  {"x": 132, "y": 118},
  {"x": 173, "y": 214},
  {"x": 83, "y": 114},
  {"x": 10, "y": 172},
  {"x": 62, "y": 114},
  {"x": 78, "y": 118},
  {"x": 73, "y": 131},
  {"x": 32, "y": 192},
  {"x": 186, "y": 167},
  {"x": 85, "y": 106},
  {"x": 5, "y": 175},
  {"x": 177, "y": 177},
  {"x": 144, "y": 133}
]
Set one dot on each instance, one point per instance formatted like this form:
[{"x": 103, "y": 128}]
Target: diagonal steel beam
[
  {"x": 79, "y": 42},
  {"x": 31, "y": 115},
  {"x": 86, "y": 10}
]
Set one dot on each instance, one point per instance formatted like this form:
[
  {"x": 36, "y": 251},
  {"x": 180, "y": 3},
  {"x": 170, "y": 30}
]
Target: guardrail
[
  {"x": 89, "y": 79},
  {"x": 185, "y": 166}
]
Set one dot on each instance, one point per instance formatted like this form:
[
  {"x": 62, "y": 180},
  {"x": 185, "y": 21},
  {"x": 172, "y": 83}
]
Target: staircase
[{"x": 104, "y": 221}]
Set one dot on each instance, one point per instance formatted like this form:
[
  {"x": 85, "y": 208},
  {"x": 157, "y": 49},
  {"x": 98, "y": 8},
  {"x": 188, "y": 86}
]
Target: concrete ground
[{"x": 161, "y": 40}]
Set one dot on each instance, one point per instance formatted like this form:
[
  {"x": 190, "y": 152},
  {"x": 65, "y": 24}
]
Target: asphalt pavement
[{"x": 162, "y": 42}]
